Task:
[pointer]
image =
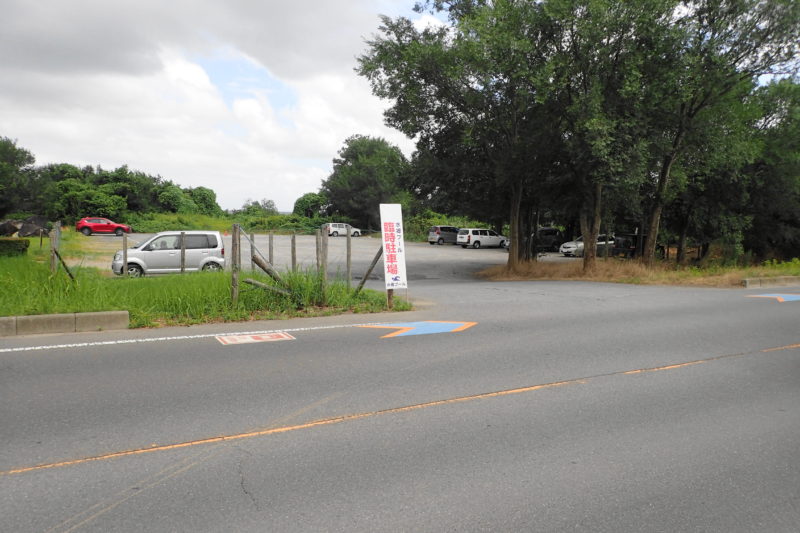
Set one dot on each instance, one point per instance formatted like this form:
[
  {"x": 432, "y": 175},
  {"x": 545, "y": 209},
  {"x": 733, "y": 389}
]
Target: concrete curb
[
  {"x": 780, "y": 281},
  {"x": 63, "y": 323}
]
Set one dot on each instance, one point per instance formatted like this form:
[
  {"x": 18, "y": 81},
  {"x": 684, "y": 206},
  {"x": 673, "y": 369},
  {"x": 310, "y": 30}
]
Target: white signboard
[{"x": 394, "y": 255}]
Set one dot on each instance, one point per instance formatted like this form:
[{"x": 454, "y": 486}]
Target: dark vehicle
[
  {"x": 89, "y": 225},
  {"x": 548, "y": 239},
  {"x": 442, "y": 234},
  {"x": 630, "y": 245}
]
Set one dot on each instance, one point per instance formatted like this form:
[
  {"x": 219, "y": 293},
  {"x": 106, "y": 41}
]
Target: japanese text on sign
[{"x": 394, "y": 257}]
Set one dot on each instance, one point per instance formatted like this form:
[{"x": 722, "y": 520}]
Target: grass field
[{"x": 29, "y": 288}]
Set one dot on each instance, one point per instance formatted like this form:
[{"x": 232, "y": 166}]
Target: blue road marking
[{"x": 423, "y": 328}]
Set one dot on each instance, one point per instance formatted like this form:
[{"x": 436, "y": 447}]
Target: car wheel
[
  {"x": 440, "y": 241},
  {"x": 476, "y": 244},
  {"x": 118, "y": 232},
  {"x": 86, "y": 231},
  {"x": 212, "y": 267},
  {"x": 502, "y": 244},
  {"x": 335, "y": 234},
  {"x": 135, "y": 271},
  {"x": 356, "y": 234}
]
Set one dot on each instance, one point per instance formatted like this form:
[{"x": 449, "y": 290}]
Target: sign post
[{"x": 394, "y": 255}]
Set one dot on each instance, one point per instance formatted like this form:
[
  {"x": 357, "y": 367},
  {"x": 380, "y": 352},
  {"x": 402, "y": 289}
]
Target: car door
[
  {"x": 197, "y": 250},
  {"x": 494, "y": 239},
  {"x": 163, "y": 254}
]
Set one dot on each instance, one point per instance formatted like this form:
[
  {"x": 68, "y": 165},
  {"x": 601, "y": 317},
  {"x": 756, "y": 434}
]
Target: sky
[{"x": 252, "y": 99}]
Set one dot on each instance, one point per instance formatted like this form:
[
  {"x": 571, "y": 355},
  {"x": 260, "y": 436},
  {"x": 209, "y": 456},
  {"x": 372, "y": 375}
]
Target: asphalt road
[{"x": 567, "y": 406}]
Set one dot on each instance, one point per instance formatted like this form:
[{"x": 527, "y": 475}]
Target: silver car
[
  {"x": 161, "y": 254},
  {"x": 575, "y": 248}
]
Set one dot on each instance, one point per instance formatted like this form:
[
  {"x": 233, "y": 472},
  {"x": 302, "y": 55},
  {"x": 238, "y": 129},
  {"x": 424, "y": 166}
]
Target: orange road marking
[
  {"x": 360, "y": 416},
  {"x": 790, "y": 347}
]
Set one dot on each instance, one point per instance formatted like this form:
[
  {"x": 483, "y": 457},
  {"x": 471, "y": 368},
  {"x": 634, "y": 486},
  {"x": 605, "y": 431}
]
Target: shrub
[{"x": 12, "y": 247}]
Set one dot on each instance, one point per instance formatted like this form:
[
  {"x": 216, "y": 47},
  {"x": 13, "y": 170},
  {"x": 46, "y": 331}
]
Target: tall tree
[
  {"x": 723, "y": 43},
  {"x": 369, "y": 171},
  {"x": 469, "y": 84},
  {"x": 15, "y": 166},
  {"x": 774, "y": 177},
  {"x": 310, "y": 205}
]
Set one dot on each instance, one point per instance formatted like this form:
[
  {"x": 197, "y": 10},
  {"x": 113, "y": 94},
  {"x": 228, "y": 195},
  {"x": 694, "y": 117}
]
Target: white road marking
[{"x": 176, "y": 338}]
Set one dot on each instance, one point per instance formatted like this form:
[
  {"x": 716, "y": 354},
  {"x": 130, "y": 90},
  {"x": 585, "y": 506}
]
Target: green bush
[{"x": 12, "y": 247}]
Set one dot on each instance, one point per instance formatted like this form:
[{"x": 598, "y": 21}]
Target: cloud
[{"x": 251, "y": 99}]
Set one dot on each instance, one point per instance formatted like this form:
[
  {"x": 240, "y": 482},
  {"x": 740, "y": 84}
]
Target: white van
[
  {"x": 477, "y": 237},
  {"x": 337, "y": 228}
]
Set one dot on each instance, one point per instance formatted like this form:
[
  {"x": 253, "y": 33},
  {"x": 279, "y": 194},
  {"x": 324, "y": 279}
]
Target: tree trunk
[
  {"x": 648, "y": 255},
  {"x": 590, "y": 227},
  {"x": 516, "y": 251},
  {"x": 681, "y": 255}
]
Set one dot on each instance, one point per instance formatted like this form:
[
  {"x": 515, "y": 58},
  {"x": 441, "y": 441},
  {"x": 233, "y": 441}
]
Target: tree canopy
[
  {"x": 585, "y": 99},
  {"x": 369, "y": 171}
]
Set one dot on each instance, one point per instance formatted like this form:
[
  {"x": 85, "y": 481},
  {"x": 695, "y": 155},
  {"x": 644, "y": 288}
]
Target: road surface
[{"x": 556, "y": 406}]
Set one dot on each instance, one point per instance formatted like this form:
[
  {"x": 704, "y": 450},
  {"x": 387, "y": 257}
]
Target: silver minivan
[{"x": 161, "y": 254}]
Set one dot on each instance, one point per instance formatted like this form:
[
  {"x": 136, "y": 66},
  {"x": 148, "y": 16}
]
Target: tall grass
[
  {"x": 630, "y": 271},
  {"x": 29, "y": 288}
]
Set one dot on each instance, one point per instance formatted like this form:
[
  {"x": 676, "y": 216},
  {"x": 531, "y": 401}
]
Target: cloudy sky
[{"x": 250, "y": 98}]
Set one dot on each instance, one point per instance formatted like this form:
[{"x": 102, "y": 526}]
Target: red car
[{"x": 89, "y": 225}]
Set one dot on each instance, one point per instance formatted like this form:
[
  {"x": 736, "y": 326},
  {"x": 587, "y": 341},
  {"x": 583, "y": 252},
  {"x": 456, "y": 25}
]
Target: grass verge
[{"x": 30, "y": 289}]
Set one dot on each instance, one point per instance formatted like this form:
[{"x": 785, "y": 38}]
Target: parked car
[
  {"x": 161, "y": 254},
  {"x": 548, "y": 239},
  {"x": 337, "y": 228},
  {"x": 575, "y": 248},
  {"x": 89, "y": 225},
  {"x": 477, "y": 237},
  {"x": 442, "y": 234}
]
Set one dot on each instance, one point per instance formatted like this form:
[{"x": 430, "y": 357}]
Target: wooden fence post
[
  {"x": 369, "y": 270},
  {"x": 55, "y": 241},
  {"x": 236, "y": 258},
  {"x": 349, "y": 269},
  {"x": 124, "y": 253},
  {"x": 271, "y": 239},
  {"x": 324, "y": 269},
  {"x": 294, "y": 252},
  {"x": 183, "y": 252},
  {"x": 252, "y": 251},
  {"x": 319, "y": 249}
]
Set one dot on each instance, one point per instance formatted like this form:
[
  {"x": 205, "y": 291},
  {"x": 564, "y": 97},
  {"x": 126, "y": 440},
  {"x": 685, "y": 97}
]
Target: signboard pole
[{"x": 394, "y": 253}]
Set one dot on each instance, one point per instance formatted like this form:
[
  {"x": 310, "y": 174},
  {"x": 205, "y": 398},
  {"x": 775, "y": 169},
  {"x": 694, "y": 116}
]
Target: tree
[
  {"x": 774, "y": 176},
  {"x": 721, "y": 45},
  {"x": 369, "y": 171},
  {"x": 205, "y": 199},
  {"x": 469, "y": 93},
  {"x": 15, "y": 166},
  {"x": 310, "y": 205}
]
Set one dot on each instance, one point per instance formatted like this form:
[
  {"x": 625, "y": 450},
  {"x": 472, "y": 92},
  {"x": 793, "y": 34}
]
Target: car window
[
  {"x": 492, "y": 233},
  {"x": 463, "y": 232},
  {"x": 196, "y": 241},
  {"x": 167, "y": 242}
]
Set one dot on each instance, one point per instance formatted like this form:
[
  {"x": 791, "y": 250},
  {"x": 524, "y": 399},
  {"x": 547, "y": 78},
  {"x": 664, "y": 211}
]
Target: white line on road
[{"x": 177, "y": 338}]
